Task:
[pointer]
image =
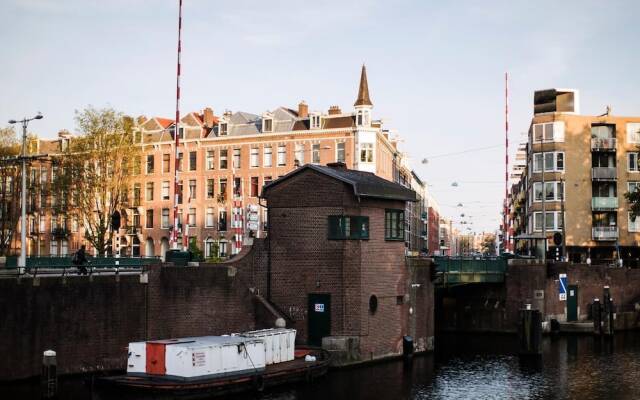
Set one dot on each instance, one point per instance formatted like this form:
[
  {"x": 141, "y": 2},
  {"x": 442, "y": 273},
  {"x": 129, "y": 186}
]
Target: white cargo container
[
  {"x": 197, "y": 357},
  {"x": 279, "y": 343}
]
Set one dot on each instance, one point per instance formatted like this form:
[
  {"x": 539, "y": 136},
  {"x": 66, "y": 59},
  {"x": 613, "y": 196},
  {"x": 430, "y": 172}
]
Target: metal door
[
  {"x": 572, "y": 303},
  {"x": 319, "y": 313},
  {"x": 155, "y": 359}
]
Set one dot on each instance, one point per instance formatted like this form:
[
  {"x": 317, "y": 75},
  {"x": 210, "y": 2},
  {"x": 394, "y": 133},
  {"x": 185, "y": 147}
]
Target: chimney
[
  {"x": 335, "y": 110},
  {"x": 207, "y": 117},
  {"x": 303, "y": 110},
  {"x": 227, "y": 114},
  {"x": 338, "y": 165}
]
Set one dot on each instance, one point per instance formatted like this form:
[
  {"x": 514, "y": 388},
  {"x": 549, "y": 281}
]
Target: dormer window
[
  {"x": 267, "y": 125},
  {"x": 172, "y": 131},
  {"x": 362, "y": 118},
  {"x": 223, "y": 129},
  {"x": 315, "y": 120},
  {"x": 359, "y": 118}
]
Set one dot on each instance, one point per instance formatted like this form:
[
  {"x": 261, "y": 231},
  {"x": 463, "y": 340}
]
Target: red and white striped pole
[
  {"x": 506, "y": 160},
  {"x": 176, "y": 134}
]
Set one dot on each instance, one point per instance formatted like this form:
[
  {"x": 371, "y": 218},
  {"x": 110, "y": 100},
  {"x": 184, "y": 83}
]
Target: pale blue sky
[{"x": 435, "y": 68}]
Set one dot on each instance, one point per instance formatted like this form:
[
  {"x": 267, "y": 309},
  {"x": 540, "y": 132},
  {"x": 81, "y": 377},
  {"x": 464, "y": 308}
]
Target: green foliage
[
  {"x": 195, "y": 250},
  {"x": 633, "y": 198},
  {"x": 488, "y": 244}
]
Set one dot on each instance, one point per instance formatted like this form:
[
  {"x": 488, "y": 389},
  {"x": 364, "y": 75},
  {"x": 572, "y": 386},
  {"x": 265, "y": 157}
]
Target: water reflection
[{"x": 465, "y": 367}]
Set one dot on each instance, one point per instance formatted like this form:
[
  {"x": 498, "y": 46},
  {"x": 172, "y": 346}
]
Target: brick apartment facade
[
  {"x": 226, "y": 160},
  {"x": 337, "y": 259}
]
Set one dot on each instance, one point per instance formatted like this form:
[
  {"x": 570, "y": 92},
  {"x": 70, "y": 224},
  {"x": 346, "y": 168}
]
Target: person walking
[{"x": 79, "y": 259}]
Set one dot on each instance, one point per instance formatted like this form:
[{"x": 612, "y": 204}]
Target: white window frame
[
  {"x": 210, "y": 160},
  {"x": 556, "y": 128},
  {"x": 299, "y": 153},
  {"x": 210, "y": 217},
  {"x": 264, "y": 124},
  {"x": 224, "y": 129},
  {"x": 633, "y": 226},
  {"x": 254, "y": 157},
  {"x": 632, "y": 156},
  {"x": 537, "y": 168},
  {"x": 166, "y": 189},
  {"x": 282, "y": 155},
  {"x": 632, "y": 185},
  {"x": 557, "y": 221},
  {"x": 315, "y": 153},
  {"x": 315, "y": 121},
  {"x": 344, "y": 152},
  {"x": 557, "y": 187},
  {"x": 267, "y": 156},
  {"x": 366, "y": 153},
  {"x": 237, "y": 158},
  {"x": 164, "y": 225}
]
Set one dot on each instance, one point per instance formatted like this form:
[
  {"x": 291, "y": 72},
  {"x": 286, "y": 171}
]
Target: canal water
[{"x": 464, "y": 367}]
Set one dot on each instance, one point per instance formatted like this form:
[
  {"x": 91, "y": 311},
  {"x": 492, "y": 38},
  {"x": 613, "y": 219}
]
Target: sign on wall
[
  {"x": 562, "y": 287},
  {"x": 319, "y": 307}
]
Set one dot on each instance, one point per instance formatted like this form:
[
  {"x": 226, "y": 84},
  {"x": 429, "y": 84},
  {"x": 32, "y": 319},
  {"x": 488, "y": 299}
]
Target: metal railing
[
  {"x": 604, "y": 232},
  {"x": 63, "y": 265},
  {"x": 603, "y": 144},
  {"x": 603, "y": 173},
  {"x": 604, "y": 203},
  {"x": 461, "y": 270}
]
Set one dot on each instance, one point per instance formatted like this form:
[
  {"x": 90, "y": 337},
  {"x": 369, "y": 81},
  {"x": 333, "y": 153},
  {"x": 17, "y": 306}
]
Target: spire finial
[{"x": 363, "y": 92}]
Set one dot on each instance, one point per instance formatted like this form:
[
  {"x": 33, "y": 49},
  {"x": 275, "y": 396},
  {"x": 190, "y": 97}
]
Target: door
[
  {"x": 319, "y": 313},
  {"x": 155, "y": 359},
  {"x": 572, "y": 303}
]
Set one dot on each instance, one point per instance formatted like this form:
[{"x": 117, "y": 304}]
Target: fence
[
  {"x": 47, "y": 264},
  {"x": 471, "y": 270}
]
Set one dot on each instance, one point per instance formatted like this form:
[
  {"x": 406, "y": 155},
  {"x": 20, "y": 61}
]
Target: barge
[{"x": 203, "y": 367}]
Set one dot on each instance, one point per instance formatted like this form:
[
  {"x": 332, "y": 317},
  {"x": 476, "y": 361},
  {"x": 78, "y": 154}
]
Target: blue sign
[{"x": 562, "y": 287}]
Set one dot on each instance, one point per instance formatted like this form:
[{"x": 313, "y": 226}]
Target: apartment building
[
  {"x": 578, "y": 169},
  {"x": 224, "y": 161}
]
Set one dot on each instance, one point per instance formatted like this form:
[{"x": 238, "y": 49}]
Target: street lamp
[{"x": 22, "y": 261}]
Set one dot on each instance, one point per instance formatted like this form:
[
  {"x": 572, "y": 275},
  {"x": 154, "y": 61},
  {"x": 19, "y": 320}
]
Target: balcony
[
  {"x": 604, "y": 203},
  {"x": 604, "y": 233},
  {"x": 603, "y": 144},
  {"x": 60, "y": 233},
  {"x": 603, "y": 173}
]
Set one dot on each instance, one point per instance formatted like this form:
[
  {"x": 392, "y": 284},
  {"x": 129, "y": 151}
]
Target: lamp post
[{"x": 22, "y": 261}]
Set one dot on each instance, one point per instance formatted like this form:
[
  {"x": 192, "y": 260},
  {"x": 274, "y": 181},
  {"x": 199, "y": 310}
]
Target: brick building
[
  {"x": 225, "y": 161},
  {"x": 337, "y": 256}
]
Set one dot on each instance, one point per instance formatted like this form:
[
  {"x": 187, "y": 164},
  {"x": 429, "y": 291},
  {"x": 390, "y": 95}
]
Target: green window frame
[
  {"x": 345, "y": 227},
  {"x": 393, "y": 224}
]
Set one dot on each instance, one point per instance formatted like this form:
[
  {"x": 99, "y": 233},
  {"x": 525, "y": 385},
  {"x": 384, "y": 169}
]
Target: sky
[{"x": 435, "y": 69}]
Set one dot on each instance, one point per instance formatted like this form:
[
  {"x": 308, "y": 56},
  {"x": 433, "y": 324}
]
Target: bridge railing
[
  {"x": 63, "y": 264},
  {"x": 457, "y": 270}
]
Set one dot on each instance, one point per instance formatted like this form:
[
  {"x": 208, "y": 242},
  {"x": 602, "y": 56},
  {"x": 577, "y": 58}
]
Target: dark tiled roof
[
  {"x": 365, "y": 184},
  {"x": 346, "y": 121},
  {"x": 363, "y": 91}
]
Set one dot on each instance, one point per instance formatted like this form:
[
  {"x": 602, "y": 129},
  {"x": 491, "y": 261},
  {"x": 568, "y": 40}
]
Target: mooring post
[
  {"x": 49, "y": 375},
  {"x": 530, "y": 332},
  {"x": 596, "y": 312},
  {"x": 607, "y": 319}
]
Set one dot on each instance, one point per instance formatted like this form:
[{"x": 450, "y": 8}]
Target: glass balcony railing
[
  {"x": 605, "y": 233},
  {"x": 604, "y": 203},
  {"x": 608, "y": 144},
  {"x": 603, "y": 173}
]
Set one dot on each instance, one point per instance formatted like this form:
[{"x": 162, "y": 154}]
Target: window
[
  {"x": 366, "y": 152},
  {"x": 633, "y": 186},
  {"x": 254, "y": 186},
  {"x": 42, "y": 227},
  {"x": 180, "y": 164},
  {"x": 266, "y": 160},
  {"x": 237, "y": 187},
  {"x": 282, "y": 155},
  {"x": 254, "y": 162},
  {"x": 210, "y": 188},
  {"x": 166, "y": 163},
  {"x": 223, "y": 159},
  {"x": 136, "y": 166},
  {"x": 553, "y": 161},
  {"x": 222, "y": 220},
  {"x": 210, "y": 159},
  {"x": 394, "y": 225},
  {"x": 266, "y": 180},
  {"x": 553, "y": 221},
  {"x": 136, "y": 194},
  {"x": 53, "y": 249},
  {"x": 348, "y": 227},
  {"x": 267, "y": 125},
  {"x": 193, "y": 160},
  {"x": 209, "y": 220},
  {"x": 224, "y": 129},
  {"x": 603, "y": 131},
  {"x": 315, "y": 153},
  {"x": 553, "y": 191},
  {"x": 209, "y": 248},
  {"x": 299, "y": 153},
  {"x": 548, "y": 132},
  {"x": 340, "y": 157},
  {"x": 632, "y": 162},
  {"x": 150, "y": 166},
  {"x": 223, "y": 189},
  {"x": 165, "y": 190},
  {"x": 191, "y": 217},
  {"x": 180, "y": 192},
  {"x": 359, "y": 119},
  {"x": 192, "y": 189},
  {"x": 634, "y": 223},
  {"x": 149, "y": 220},
  {"x": 633, "y": 132},
  {"x": 236, "y": 158},
  {"x": 223, "y": 248},
  {"x": 165, "y": 218},
  {"x": 149, "y": 195},
  {"x": 315, "y": 121}
]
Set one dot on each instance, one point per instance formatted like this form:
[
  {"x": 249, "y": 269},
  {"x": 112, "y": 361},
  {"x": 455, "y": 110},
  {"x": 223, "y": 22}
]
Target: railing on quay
[
  {"x": 63, "y": 265},
  {"x": 461, "y": 270}
]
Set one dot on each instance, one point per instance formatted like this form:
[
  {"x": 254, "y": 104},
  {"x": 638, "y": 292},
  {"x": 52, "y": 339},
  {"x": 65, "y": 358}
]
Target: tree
[
  {"x": 633, "y": 198},
  {"x": 96, "y": 171},
  {"x": 488, "y": 244},
  {"x": 10, "y": 177}
]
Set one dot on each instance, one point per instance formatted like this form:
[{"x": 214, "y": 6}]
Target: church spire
[{"x": 363, "y": 92}]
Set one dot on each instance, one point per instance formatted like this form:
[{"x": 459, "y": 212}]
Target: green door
[
  {"x": 572, "y": 303},
  {"x": 319, "y": 312}
]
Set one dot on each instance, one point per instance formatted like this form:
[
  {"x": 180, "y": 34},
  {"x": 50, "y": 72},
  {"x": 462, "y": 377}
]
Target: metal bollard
[
  {"x": 49, "y": 378},
  {"x": 596, "y": 311},
  {"x": 607, "y": 313}
]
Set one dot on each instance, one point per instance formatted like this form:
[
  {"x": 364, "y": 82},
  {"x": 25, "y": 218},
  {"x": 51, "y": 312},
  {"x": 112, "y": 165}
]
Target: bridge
[{"x": 454, "y": 271}]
